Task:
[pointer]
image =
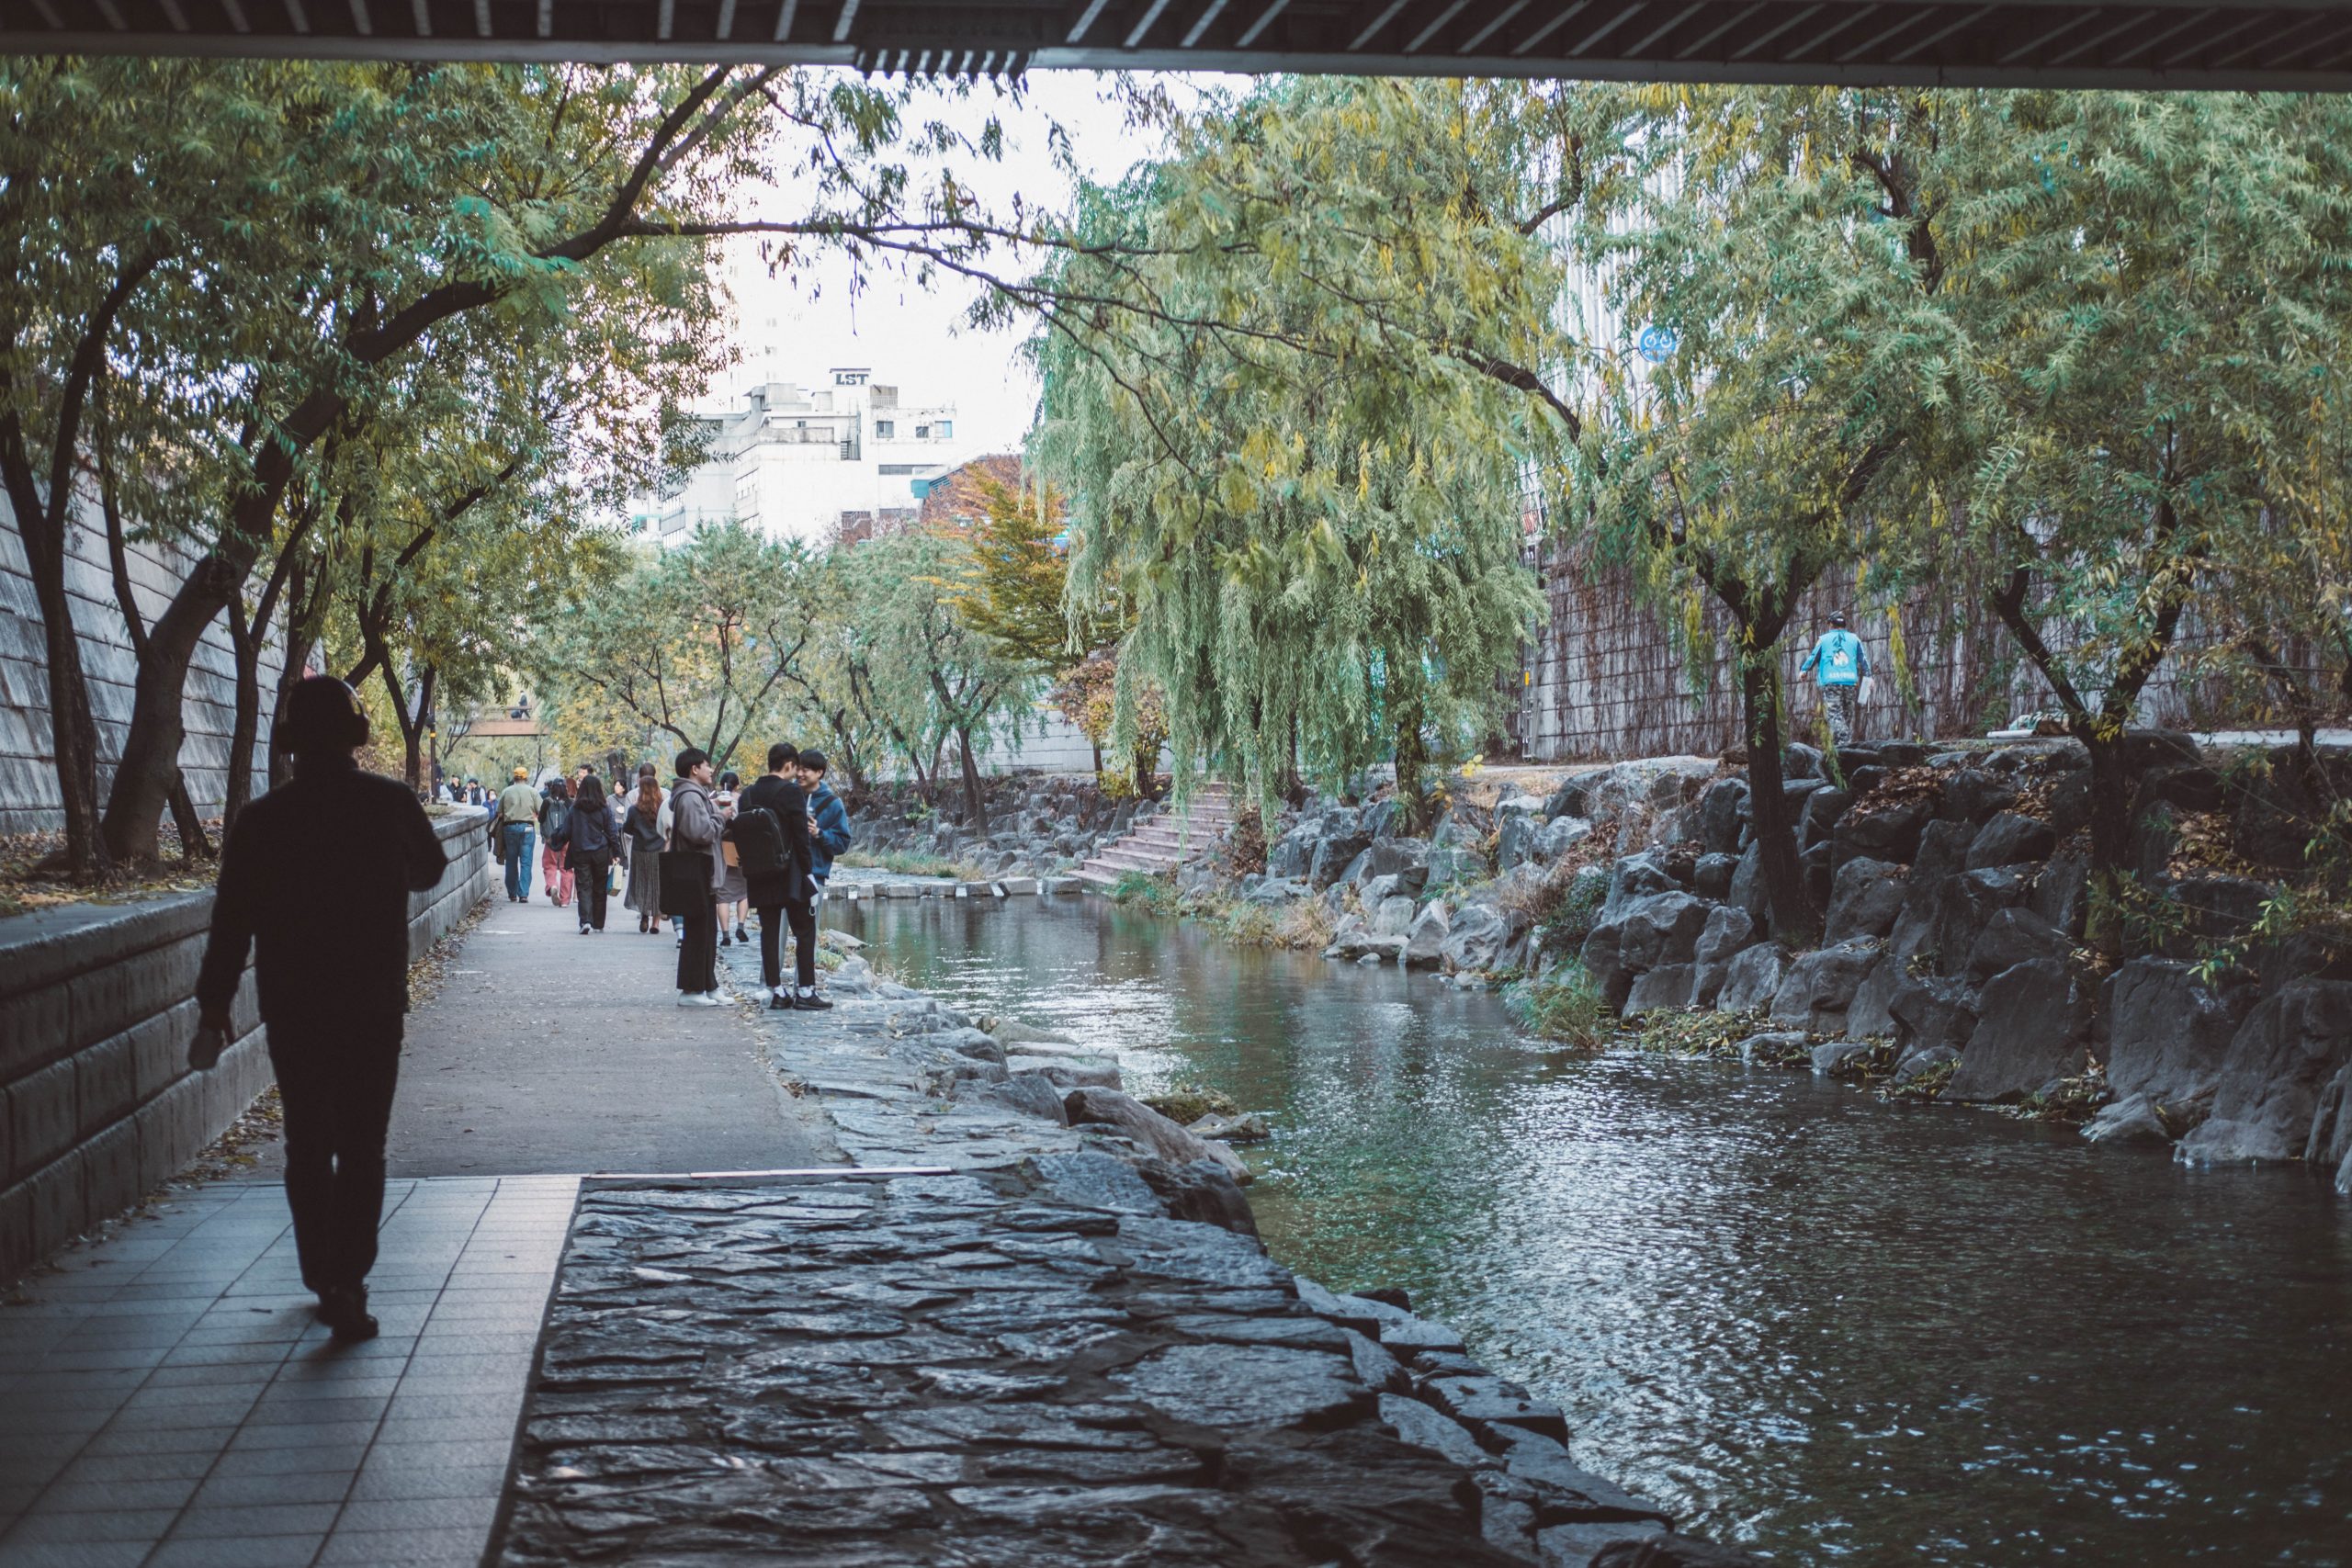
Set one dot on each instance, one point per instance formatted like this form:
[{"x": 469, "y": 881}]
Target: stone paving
[
  {"x": 1037, "y": 1368},
  {"x": 173, "y": 1403}
]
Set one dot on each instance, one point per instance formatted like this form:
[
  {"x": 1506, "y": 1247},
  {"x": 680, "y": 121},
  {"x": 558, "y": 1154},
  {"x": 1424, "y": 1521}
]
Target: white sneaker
[{"x": 701, "y": 999}]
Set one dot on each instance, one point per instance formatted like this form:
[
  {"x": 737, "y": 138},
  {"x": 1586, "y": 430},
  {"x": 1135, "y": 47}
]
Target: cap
[
  {"x": 521, "y": 774},
  {"x": 1837, "y": 617},
  {"x": 322, "y": 715}
]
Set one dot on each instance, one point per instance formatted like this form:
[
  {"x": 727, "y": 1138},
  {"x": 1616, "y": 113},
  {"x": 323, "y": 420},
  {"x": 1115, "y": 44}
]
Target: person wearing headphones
[{"x": 315, "y": 879}]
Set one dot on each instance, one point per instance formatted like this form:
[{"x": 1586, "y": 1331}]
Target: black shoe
[
  {"x": 344, "y": 1309},
  {"x": 739, "y": 936},
  {"x": 780, "y": 1001},
  {"x": 642, "y": 925},
  {"x": 726, "y": 941},
  {"x": 812, "y": 1002},
  {"x": 583, "y": 928}
]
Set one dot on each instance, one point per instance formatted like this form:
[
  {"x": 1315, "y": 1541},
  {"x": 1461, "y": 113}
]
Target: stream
[{"x": 1822, "y": 1328}]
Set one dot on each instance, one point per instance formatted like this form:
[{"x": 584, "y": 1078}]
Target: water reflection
[{"x": 1818, "y": 1326}]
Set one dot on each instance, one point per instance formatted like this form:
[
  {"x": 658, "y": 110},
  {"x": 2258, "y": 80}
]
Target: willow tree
[
  {"x": 2155, "y": 290},
  {"x": 1290, "y": 393},
  {"x": 1780, "y": 251}
]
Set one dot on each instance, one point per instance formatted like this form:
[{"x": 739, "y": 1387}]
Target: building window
[
  {"x": 883, "y": 429},
  {"x": 946, "y": 428},
  {"x": 922, "y": 433},
  {"x": 920, "y": 487}
]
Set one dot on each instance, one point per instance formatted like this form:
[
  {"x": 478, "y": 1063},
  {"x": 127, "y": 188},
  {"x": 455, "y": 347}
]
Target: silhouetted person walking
[{"x": 316, "y": 877}]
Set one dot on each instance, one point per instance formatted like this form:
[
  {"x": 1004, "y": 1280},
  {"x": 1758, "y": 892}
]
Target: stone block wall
[
  {"x": 97, "y": 1106},
  {"x": 28, "y": 770}
]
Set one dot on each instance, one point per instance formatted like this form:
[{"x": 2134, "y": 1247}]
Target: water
[{"x": 1823, "y": 1328}]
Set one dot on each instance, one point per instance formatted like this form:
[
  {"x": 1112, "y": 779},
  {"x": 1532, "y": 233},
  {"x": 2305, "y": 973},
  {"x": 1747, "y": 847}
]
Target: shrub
[
  {"x": 1569, "y": 1008},
  {"x": 1245, "y": 843},
  {"x": 1157, "y": 894}
]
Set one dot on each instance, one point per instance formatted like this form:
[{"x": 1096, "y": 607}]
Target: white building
[{"x": 804, "y": 462}]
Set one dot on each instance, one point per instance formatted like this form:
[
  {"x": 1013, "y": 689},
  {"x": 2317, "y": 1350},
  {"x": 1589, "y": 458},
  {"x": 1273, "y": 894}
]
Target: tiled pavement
[{"x": 170, "y": 1401}]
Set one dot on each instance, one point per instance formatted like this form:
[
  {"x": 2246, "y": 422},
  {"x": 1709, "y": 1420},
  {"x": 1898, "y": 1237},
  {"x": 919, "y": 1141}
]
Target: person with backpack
[
  {"x": 554, "y": 834},
  {"x": 828, "y": 832},
  {"x": 1839, "y": 661},
  {"x": 590, "y": 849},
  {"x": 771, "y": 833}
]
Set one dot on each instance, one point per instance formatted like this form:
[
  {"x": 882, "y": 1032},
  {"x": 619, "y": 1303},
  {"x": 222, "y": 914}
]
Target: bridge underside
[{"x": 2150, "y": 43}]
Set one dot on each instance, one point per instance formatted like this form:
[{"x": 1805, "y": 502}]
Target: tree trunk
[
  {"x": 975, "y": 807},
  {"x": 244, "y": 646},
  {"x": 1412, "y": 760},
  {"x": 151, "y": 749},
  {"x": 72, "y": 727},
  {"x": 1790, "y": 912},
  {"x": 1146, "y": 763},
  {"x": 193, "y": 845}
]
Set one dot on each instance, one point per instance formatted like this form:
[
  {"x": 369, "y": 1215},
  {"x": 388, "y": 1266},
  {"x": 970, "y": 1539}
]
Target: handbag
[{"x": 686, "y": 882}]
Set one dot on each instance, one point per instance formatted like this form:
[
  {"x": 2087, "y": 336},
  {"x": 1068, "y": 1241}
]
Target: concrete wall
[
  {"x": 97, "y": 1106},
  {"x": 27, "y": 769}
]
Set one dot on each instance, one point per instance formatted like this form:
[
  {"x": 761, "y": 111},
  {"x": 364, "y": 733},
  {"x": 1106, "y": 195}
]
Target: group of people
[{"x": 591, "y": 844}]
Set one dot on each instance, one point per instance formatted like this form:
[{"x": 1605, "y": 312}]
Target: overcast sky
[{"x": 915, "y": 339}]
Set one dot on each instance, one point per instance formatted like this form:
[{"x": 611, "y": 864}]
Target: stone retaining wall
[{"x": 97, "y": 1106}]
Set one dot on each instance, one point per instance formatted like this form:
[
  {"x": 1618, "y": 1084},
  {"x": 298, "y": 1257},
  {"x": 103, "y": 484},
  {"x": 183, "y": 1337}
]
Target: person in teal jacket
[{"x": 1839, "y": 662}]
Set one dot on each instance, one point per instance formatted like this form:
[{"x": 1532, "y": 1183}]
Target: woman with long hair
[
  {"x": 590, "y": 854},
  {"x": 642, "y": 831},
  {"x": 732, "y": 893},
  {"x": 555, "y": 836}
]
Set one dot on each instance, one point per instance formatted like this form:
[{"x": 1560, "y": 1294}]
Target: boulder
[
  {"x": 1555, "y": 837},
  {"x": 1571, "y": 798},
  {"x": 1604, "y": 967},
  {"x": 2329, "y": 1147},
  {"x": 1971, "y": 795},
  {"x": 1711, "y": 876},
  {"x": 1779, "y": 1048},
  {"x": 1635, "y": 877},
  {"x": 1393, "y": 917},
  {"x": 1275, "y": 890},
  {"x": 1943, "y": 851},
  {"x": 1822, "y": 808},
  {"x": 1157, "y": 1133},
  {"x": 1032, "y": 1095},
  {"x": 1819, "y": 986},
  {"x": 2221, "y": 908},
  {"x": 1066, "y": 1072},
  {"x": 1407, "y": 860},
  {"x": 1381, "y": 819},
  {"x": 2137, "y": 1119},
  {"x": 2011, "y": 839},
  {"x": 1475, "y": 938},
  {"x": 2032, "y": 1027},
  {"x": 2062, "y": 893},
  {"x": 1889, "y": 832},
  {"x": 1726, "y": 934},
  {"x": 2267, "y": 1092},
  {"x": 1666, "y": 987},
  {"x": 1752, "y": 979},
  {"x": 1746, "y": 890},
  {"x": 1864, "y": 899},
  {"x": 2168, "y": 1035},
  {"x": 1204, "y": 1192},
  {"x": 1839, "y": 1058},
  {"x": 1918, "y": 1064},
  {"x": 1815, "y": 869},
  {"x": 1425, "y": 940},
  {"x": 2008, "y": 938},
  {"x": 1868, "y": 1016},
  {"x": 1515, "y": 840},
  {"x": 1965, "y": 905},
  {"x": 1934, "y": 1013},
  {"x": 1723, "y": 807},
  {"x": 1289, "y": 856},
  {"x": 1661, "y": 928},
  {"x": 1333, "y": 856}
]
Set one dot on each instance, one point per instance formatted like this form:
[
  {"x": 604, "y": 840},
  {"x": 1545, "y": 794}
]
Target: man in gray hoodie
[{"x": 697, "y": 823}]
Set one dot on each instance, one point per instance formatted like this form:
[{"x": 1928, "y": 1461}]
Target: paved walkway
[
  {"x": 173, "y": 1403},
  {"x": 547, "y": 1051}
]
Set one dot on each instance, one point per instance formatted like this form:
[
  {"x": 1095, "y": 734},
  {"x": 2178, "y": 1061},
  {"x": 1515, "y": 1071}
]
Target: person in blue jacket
[
  {"x": 829, "y": 833},
  {"x": 1839, "y": 662}
]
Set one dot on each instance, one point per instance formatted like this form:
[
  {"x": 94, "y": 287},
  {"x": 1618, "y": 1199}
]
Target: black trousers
[
  {"x": 803, "y": 916},
  {"x": 698, "y": 955},
  {"x": 588, "y": 880},
  {"x": 335, "y": 1082}
]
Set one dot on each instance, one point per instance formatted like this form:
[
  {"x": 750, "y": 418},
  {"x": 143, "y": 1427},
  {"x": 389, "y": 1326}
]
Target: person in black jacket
[
  {"x": 316, "y": 877},
  {"x": 783, "y": 895},
  {"x": 591, "y": 849}
]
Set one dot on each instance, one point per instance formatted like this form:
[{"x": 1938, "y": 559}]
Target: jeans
[
  {"x": 516, "y": 838},
  {"x": 698, "y": 955},
  {"x": 802, "y": 917},
  {"x": 555, "y": 870},
  {"x": 335, "y": 1082},
  {"x": 591, "y": 871}
]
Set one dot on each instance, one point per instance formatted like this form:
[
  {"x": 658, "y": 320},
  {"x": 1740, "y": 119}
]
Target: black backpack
[
  {"x": 759, "y": 843},
  {"x": 558, "y": 823}
]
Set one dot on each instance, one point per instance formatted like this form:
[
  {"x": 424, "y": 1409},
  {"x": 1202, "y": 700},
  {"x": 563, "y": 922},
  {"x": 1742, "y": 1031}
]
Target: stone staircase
[{"x": 1162, "y": 842}]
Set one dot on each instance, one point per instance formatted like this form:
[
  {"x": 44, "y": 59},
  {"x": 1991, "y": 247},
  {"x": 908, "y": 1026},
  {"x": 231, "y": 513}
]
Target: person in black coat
[
  {"x": 316, "y": 877},
  {"x": 783, "y": 895},
  {"x": 590, "y": 847}
]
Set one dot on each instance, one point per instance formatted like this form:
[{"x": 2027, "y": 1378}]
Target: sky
[{"x": 915, "y": 339}]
